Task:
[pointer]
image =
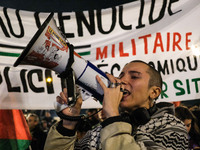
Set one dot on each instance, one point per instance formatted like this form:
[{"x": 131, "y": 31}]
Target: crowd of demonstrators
[
  {"x": 39, "y": 122},
  {"x": 191, "y": 124},
  {"x": 47, "y": 120},
  {"x": 37, "y": 134},
  {"x": 132, "y": 118},
  {"x": 40, "y": 125},
  {"x": 46, "y": 117}
]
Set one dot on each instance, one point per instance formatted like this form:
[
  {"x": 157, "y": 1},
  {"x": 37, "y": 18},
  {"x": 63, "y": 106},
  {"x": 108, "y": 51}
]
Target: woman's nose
[{"x": 124, "y": 80}]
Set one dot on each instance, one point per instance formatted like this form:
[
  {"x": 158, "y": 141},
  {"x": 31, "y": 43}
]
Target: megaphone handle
[
  {"x": 71, "y": 88},
  {"x": 69, "y": 75}
]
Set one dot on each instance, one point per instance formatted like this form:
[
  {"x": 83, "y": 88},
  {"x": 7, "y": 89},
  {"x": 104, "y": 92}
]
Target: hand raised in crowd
[
  {"x": 112, "y": 96},
  {"x": 70, "y": 111}
]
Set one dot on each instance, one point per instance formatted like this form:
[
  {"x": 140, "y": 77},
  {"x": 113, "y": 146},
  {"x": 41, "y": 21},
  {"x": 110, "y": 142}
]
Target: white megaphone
[{"x": 48, "y": 48}]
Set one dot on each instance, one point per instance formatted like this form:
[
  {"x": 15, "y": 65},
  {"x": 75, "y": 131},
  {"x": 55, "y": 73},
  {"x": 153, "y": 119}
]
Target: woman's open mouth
[{"x": 125, "y": 92}]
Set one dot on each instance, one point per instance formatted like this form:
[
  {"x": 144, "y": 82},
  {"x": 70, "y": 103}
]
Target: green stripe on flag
[
  {"x": 9, "y": 54},
  {"x": 14, "y": 144},
  {"x": 17, "y": 54},
  {"x": 84, "y": 53}
]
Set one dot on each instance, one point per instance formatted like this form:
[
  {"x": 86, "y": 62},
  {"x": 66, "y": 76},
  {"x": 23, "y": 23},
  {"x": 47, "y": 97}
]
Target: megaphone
[{"x": 49, "y": 49}]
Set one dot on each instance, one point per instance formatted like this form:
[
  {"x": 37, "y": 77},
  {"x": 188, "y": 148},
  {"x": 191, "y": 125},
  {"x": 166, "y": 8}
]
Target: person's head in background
[
  {"x": 93, "y": 116},
  {"x": 186, "y": 116},
  {"x": 44, "y": 125},
  {"x": 101, "y": 115},
  {"x": 190, "y": 121},
  {"x": 32, "y": 120},
  {"x": 47, "y": 114}
]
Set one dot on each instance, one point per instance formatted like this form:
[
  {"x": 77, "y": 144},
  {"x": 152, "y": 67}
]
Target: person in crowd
[
  {"x": 196, "y": 111},
  {"x": 82, "y": 128},
  {"x": 44, "y": 126},
  {"x": 48, "y": 118},
  {"x": 101, "y": 116},
  {"x": 190, "y": 121},
  {"x": 133, "y": 120},
  {"x": 38, "y": 136},
  {"x": 93, "y": 117}
]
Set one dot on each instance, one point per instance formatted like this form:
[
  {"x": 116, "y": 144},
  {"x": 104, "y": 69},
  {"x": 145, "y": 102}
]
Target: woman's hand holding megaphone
[
  {"x": 69, "y": 111},
  {"x": 112, "y": 95}
]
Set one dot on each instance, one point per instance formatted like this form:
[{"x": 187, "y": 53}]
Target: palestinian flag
[{"x": 14, "y": 131}]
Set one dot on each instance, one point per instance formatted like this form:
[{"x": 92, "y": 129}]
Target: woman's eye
[
  {"x": 134, "y": 77},
  {"x": 188, "y": 125}
]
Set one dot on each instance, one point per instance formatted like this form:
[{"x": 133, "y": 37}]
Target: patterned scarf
[{"x": 166, "y": 132}]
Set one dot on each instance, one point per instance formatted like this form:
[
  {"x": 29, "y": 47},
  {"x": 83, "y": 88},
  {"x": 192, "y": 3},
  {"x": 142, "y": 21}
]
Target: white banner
[{"x": 163, "y": 33}]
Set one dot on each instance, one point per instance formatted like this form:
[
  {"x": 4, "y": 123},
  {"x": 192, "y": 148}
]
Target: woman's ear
[{"x": 154, "y": 92}]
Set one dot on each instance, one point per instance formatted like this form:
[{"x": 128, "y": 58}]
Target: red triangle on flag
[{"x": 13, "y": 126}]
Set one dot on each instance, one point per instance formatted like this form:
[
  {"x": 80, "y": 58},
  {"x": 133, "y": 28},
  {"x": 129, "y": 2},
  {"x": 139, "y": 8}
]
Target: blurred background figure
[
  {"x": 101, "y": 115},
  {"x": 38, "y": 136},
  {"x": 196, "y": 111},
  {"x": 44, "y": 126},
  {"x": 93, "y": 117},
  {"x": 82, "y": 128},
  {"x": 48, "y": 118},
  {"x": 190, "y": 121}
]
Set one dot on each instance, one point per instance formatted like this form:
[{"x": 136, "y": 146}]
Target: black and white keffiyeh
[
  {"x": 91, "y": 141},
  {"x": 163, "y": 131}
]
